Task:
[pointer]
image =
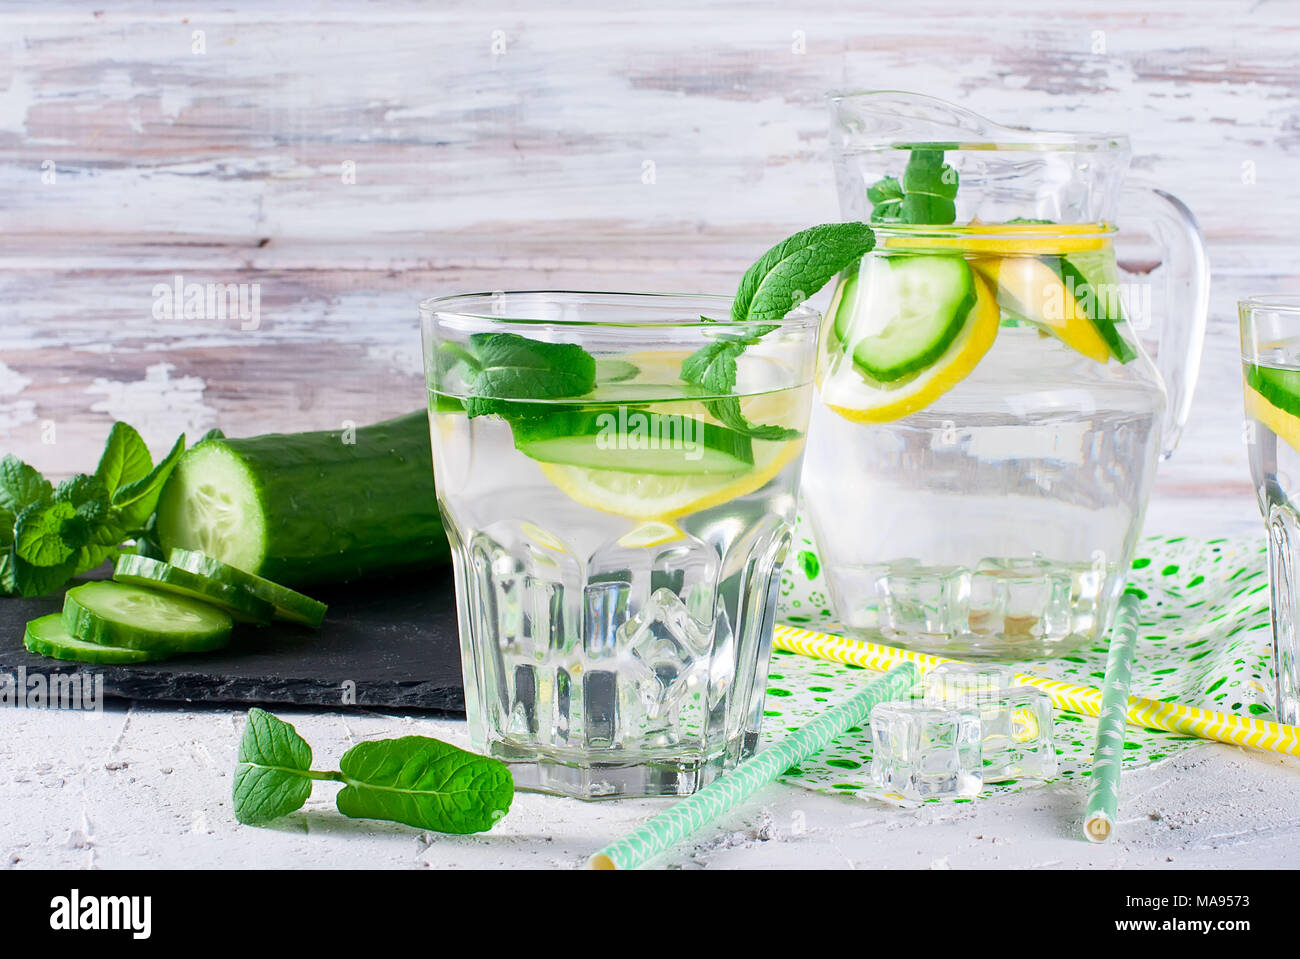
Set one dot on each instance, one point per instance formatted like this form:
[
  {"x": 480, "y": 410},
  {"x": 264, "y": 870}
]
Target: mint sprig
[
  {"x": 48, "y": 534},
  {"x": 925, "y": 194},
  {"x": 415, "y": 780},
  {"x": 507, "y": 367},
  {"x": 781, "y": 279}
]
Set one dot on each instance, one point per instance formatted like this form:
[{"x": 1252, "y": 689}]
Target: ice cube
[
  {"x": 966, "y": 684},
  {"x": 1018, "y": 740},
  {"x": 1015, "y": 721},
  {"x": 669, "y": 652},
  {"x": 919, "y": 751}
]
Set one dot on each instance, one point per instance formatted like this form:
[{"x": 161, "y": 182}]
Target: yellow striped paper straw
[{"x": 1077, "y": 698}]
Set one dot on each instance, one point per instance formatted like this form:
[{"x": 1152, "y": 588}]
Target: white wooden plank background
[{"x": 501, "y": 145}]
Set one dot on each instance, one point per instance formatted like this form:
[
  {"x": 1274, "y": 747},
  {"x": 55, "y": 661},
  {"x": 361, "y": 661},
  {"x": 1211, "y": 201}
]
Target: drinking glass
[
  {"x": 1270, "y": 360},
  {"x": 617, "y": 530}
]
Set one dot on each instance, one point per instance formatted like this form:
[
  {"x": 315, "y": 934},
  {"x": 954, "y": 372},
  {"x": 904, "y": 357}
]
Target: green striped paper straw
[
  {"x": 693, "y": 813},
  {"x": 1103, "y": 797}
]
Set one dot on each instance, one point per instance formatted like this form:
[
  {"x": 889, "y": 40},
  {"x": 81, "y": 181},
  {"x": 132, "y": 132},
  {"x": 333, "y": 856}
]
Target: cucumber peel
[
  {"x": 240, "y": 603},
  {"x": 288, "y": 604},
  {"x": 48, "y": 636}
]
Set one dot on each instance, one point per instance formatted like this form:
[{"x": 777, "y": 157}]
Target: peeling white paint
[
  {"x": 14, "y": 413},
  {"x": 160, "y": 407}
]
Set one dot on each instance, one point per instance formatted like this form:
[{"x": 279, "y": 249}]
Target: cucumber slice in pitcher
[
  {"x": 154, "y": 574},
  {"x": 48, "y": 636},
  {"x": 635, "y": 440},
  {"x": 133, "y": 617},
  {"x": 1093, "y": 281},
  {"x": 905, "y": 313},
  {"x": 289, "y": 604}
]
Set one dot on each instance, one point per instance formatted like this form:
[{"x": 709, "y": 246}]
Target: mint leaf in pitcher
[{"x": 924, "y": 195}]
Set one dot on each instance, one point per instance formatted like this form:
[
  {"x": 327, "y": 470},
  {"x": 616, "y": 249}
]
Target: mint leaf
[
  {"x": 31, "y": 580},
  {"x": 796, "y": 268},
  {"x": 924, "y": 195},
  {"x": 513, "y": 367},
  {"x": 125, "y": 458},
  {"x": 424, "y": 783},
  {"x": 886, "y": 196},
  {"x": 105, "y": 542},
  {"x": 134, "y": 503},
  {"x": 272, "y": 776},
  {"x": 21, "y": 485},
  {"x": 212, "y": 434},
  {"x": 86, "y": 494},
  {"x": 7, "y": 520},
  {"x": 779, "y": 280},
  {"x": 8, "y": 586},
  {"x": 47, "y": 534}
]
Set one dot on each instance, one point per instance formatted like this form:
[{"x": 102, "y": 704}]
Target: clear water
[
  {"x": 999, "y": 521},
  {"x": 615, "y": 624},
  {"x": 1275, "y": 469}
]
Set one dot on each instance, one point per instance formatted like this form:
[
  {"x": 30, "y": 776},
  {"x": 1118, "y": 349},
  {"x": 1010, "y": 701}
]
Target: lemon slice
[
  {"x": 656, "y": 500},
  {"x": 1032, "y": 289},
  {"x": 1011, "y": 238},
  {"x": 845, "y": 391},
  {"x": 1284, "y": 424}
]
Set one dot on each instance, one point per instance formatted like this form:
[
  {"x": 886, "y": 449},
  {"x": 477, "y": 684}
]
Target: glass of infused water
[
  {"x": 617, "y": 473},
  {"x": 1270, "y": 359}
]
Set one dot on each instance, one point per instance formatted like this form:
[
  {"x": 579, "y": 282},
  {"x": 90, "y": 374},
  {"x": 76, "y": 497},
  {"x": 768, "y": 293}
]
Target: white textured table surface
[{"x": 150, "y": 786}]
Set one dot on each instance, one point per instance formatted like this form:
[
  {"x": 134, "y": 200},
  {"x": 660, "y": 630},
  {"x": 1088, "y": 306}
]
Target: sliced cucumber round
[
  {"x": 635, "y": 440},
  {"x": 235, "y": 600},
  {"x": 904, "y": 312},
  {"x": 134, "y": 617},
  {"x": 50, "y": 637},
  {"x": 289, "y": 604}
]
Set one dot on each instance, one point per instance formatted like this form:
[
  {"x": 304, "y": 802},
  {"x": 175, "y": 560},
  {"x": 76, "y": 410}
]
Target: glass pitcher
[{"x": 995, "y": 385}]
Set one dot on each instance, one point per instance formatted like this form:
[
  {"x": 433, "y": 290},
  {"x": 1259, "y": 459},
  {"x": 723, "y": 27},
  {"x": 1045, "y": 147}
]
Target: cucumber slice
[
  {"x": 241, "y": 604},
  {"x": 635, "y": 440},
  {"x": 134, "y": 617},
  {"x": 906, "y": 313},
  {"x": 1094, "y": 281},
  {"x": 288, "y": 603},
  {"x": 1280, "y": 387},
  {"x": 50, "y": 637}
]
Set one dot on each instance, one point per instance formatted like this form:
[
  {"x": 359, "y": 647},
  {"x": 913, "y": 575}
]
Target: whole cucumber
[{"x": 301, "y": 508}]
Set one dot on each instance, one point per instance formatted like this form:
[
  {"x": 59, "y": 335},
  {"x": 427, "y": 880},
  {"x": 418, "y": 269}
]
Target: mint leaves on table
[
  {"x": 781, "y": 279},
  {"x": 48, "y": 534},
  {"x": 924, "y": 196},
  {"x": 414, "y": 780}
]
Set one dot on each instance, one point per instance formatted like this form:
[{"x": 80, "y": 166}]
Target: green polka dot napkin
[{"x": 1204, "y": 641}]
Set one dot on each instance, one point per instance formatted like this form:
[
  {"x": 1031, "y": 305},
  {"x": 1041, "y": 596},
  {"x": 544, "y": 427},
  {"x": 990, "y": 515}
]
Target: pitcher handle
[{"x": 1175, "y": 339}]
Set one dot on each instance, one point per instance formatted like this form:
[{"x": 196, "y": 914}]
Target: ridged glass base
[{"x": 633, "y": 777}]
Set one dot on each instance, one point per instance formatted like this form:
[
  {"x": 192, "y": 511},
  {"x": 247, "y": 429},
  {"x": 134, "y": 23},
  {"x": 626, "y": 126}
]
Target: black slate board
[{"x": 396, "y": 639}]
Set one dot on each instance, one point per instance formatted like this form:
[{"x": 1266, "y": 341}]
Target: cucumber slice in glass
[
  {"x": 134, "y": 617},
  {"x": 289, "y": 604},
  {"x": 633, "y": 440},
  {"x": 50, "y": 637},
  {"x": 242, "y": 605},
  {"x": 904, "y": 312}
]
